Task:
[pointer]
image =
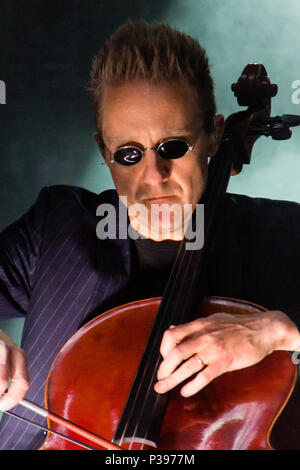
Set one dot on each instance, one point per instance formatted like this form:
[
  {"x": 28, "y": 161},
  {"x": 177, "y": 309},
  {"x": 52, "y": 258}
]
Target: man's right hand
[{"x": 13, "y": 366}]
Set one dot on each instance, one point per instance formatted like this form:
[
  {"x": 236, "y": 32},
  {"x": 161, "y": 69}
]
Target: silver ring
[{"x": 199, "y": 359}]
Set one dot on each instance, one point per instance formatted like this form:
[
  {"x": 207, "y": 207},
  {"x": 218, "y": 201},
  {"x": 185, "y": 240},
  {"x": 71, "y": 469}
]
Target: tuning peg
[
  {"x": 280, "y": 132},
  {"x": 290, "y": 119}
]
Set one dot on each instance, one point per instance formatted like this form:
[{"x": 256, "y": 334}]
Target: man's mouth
[{"x": 159, "y": 199}]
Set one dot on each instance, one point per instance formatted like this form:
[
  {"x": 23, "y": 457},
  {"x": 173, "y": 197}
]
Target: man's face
[{"x": 143, "y": 114}]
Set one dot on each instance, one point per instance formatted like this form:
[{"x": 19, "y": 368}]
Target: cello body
[{"x": 91, "y": 376}]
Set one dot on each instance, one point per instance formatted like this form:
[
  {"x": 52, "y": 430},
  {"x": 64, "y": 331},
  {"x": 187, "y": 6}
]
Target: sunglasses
[{"x": 170, "y": 149}]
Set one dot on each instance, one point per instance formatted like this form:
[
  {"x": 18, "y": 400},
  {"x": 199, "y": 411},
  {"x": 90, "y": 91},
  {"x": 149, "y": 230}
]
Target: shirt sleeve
[{"x": 20, "y": 249}]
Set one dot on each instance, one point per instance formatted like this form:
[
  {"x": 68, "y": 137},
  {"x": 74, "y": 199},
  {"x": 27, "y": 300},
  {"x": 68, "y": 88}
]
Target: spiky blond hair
[{"x": 153, "y": 52}]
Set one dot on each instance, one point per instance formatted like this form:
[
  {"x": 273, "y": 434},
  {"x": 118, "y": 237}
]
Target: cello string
[
  {"x": 181, "y": 271},
  {"x": 158, "y": 361},
  {"x": 133, "y": 402},
  {"x": 138, "y": 391},
  {"x": 171, "y": 294}
]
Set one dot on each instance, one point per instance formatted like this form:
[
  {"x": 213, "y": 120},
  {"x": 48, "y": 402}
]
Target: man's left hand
[{"x": 219, "y": 343}]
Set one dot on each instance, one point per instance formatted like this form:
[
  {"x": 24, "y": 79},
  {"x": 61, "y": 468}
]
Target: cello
[{"x": 235, "y": 411}]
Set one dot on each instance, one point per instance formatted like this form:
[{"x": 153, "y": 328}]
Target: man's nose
[{"x": 156, "y": 168}]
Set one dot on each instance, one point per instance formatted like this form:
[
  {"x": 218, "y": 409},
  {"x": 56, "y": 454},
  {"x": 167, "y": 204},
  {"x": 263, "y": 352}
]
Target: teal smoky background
[{"x": 46, "y": 124}]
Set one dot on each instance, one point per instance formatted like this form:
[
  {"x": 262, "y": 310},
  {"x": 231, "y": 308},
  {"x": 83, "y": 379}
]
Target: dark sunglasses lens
[
  {"x": 128, "y": 156},
  {"x": 173, "y": 149}
]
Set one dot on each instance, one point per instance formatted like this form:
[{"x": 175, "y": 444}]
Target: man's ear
[
  {"x": 217, "y": 134},
  {"x": 99, "y": 141}
]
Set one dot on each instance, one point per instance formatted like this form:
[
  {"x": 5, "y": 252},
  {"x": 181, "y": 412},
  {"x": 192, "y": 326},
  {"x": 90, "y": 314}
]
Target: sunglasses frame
[{"x": 156, "y": 148}]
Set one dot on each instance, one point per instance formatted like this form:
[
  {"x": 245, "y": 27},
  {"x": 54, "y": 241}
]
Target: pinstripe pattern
[{"x": 55, "y": 269}]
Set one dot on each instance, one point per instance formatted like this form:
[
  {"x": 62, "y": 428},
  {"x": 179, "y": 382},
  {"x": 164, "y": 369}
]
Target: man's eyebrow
[{"x": 184, "y": 132}]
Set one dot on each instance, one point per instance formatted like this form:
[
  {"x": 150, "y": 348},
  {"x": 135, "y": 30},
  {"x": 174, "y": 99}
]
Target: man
[{"x": 156, "y": 127}]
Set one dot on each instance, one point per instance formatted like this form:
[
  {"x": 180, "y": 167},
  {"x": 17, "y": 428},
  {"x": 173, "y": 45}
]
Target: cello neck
[{"x": 144, "y": 410}]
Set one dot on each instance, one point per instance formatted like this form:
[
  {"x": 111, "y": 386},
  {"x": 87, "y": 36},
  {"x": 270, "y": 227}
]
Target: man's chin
[
  {"x": 160, "y": 218},
  {"x": 158, "y": 231}
]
